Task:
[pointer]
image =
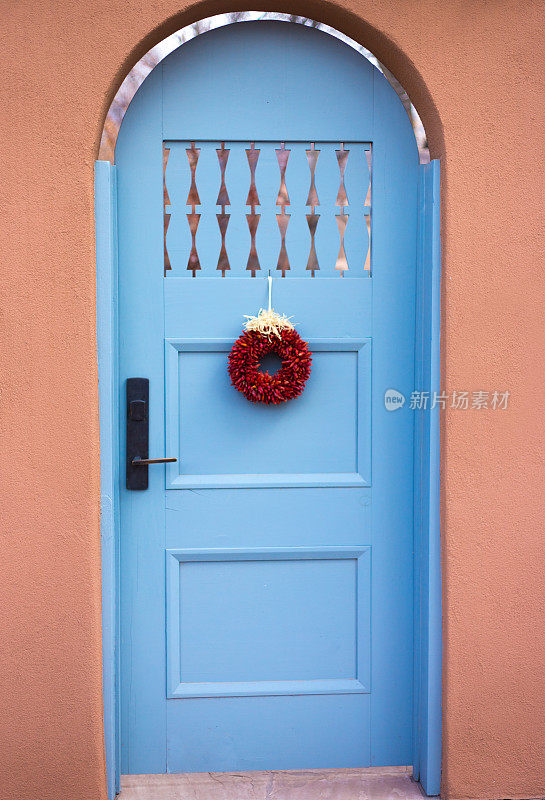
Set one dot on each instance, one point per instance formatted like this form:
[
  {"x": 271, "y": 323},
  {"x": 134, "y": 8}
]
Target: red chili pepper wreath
[{"x": 260, "y": 387}]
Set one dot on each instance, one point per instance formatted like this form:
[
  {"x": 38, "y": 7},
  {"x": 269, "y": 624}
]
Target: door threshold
[{"x": 372, "y": 783}]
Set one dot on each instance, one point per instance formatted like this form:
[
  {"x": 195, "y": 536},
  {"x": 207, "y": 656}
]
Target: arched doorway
[{"x": 281, "y": 542}]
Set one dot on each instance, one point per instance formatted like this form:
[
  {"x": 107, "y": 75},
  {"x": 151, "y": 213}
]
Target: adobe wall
[{"x": 475, "y": 72}]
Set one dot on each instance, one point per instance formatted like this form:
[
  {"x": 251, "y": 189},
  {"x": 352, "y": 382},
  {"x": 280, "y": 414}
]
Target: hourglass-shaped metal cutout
[
  {"x": 223, "y": 218},
  {"x": 193, "y": 200},
  {"x": 312, "y": 201},
  {"x": 252, "y": 218},
  {"x": 342, "y": 219},
  {"x": 283, "y": 200}
]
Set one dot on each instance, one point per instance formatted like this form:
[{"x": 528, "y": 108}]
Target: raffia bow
[{"x": 268, "y": 322}]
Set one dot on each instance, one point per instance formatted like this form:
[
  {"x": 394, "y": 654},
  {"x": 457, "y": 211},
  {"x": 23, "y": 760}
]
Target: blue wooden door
[{"x": 267, "y": 575}]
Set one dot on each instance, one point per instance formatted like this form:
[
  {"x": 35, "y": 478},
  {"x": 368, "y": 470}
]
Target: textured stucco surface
[{"x": 475, "y": 72}]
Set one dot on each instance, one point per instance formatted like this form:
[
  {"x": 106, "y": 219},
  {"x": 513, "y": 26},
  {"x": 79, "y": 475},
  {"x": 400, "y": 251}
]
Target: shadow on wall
[{"x": 142, "y": 68}]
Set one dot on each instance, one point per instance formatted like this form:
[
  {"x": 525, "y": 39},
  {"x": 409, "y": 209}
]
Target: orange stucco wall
[{"x": 475, "y": 72}]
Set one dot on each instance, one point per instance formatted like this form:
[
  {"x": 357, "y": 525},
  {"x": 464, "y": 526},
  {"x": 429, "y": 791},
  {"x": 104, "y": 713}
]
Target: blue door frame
[
  {"x": 428, "y": 643},
  {"x": 428, "y": 628},
  {"x": 427, "y": 592},
  {"x": 106, "y": 261}
]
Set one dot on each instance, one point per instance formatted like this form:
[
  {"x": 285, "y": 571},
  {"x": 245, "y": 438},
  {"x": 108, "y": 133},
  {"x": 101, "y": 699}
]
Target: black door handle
[{"x": 138, "y": 435}]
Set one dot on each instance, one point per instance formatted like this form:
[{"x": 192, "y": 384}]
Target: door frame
[{"x": 427, "y": 719}]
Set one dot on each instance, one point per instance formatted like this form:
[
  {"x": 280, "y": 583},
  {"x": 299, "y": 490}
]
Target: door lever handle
[
  {"x": 145, "y": 461},
  {"x": 138, "y": 416}
]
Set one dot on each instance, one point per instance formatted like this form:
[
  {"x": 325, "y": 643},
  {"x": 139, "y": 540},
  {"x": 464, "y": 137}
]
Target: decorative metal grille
[{"x": 317, "y": 193}]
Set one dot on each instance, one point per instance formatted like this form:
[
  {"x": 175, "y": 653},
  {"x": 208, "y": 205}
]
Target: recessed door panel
[
  {"x": 324, "y": 434},
  {"x": 261, "y": 622}
]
